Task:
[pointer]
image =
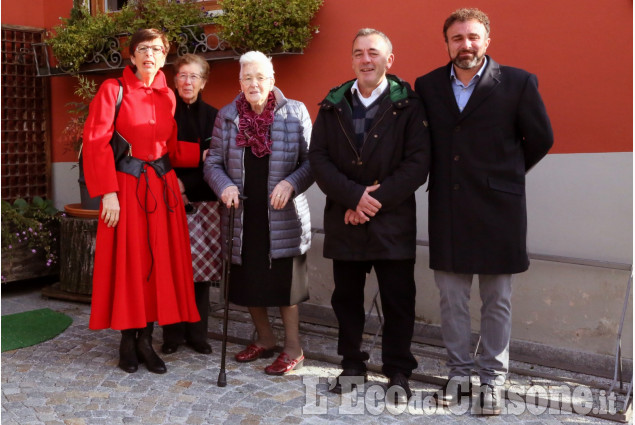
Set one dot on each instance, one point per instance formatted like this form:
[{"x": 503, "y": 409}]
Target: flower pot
[
  {"x": 20, "y": 263},
  {"x": 77, "y": 250}
]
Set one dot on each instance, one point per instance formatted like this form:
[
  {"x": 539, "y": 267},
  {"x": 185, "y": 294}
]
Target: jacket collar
[
  {"x": 232, "y": 112},
  {"x": 486, "y": 85},
  {"x": 490, "y": 78},
  {"x": 131, "y": 81},
  {"x": 180, "y": 103},
  {"x": 184, "y": 109},
  {"x": 398, "y": 90}
]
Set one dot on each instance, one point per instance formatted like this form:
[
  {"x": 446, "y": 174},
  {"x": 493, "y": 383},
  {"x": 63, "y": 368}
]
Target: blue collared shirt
[{"x": 462, "y": 93}]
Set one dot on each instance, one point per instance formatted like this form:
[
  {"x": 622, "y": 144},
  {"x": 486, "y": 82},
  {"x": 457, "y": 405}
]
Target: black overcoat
[
  {"x": 395, "y": 154},
  {"x": 477, "y": 205}
]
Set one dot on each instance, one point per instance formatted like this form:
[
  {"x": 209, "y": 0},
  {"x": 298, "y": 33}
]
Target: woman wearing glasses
[
  {"x": 143, "y": 265},
  {"x": 195, "y": 121},
  {"x": 258, "y": 162}
]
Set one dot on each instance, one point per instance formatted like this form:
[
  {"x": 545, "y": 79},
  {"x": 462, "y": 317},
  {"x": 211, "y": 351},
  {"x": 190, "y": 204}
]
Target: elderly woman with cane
[{"x": 258, "y": 162}]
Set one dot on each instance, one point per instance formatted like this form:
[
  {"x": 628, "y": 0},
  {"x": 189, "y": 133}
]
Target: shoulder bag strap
[
  {"x": 117, "y": 105},
  {"x": 119, "y": 99}
]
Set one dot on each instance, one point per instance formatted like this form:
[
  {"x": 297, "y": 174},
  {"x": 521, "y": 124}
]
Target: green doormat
[{"x": 32, "y": 327}]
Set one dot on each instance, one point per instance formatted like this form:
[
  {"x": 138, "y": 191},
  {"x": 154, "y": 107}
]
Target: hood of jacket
[{"x": 398, "y": 90}]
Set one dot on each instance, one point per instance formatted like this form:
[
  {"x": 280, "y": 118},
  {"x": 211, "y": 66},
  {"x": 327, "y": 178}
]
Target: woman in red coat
[{"x": 143, "y": 265}]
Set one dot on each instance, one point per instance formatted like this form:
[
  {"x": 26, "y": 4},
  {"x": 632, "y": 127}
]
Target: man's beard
[{"x": 467, "y": 63}]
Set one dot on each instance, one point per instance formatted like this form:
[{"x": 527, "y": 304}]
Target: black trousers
[
  {"x": 191, "y": 332},
  {"x": 397, "y": 291}
]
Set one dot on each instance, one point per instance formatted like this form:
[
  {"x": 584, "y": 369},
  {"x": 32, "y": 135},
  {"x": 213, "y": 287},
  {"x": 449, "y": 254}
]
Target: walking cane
[{"x": 222, "y": 378}]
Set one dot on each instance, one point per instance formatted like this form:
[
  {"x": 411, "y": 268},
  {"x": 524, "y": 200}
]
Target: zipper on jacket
[
  {"x": 269, "y": 211},
  {"x": 357, "y": 154},
  {"x": 242, "y": 214},
  {"x": 361, "y": 150}
]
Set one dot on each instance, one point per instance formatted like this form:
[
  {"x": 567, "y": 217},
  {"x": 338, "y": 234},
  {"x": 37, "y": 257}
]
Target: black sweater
[{"x": 195, "y": 123}]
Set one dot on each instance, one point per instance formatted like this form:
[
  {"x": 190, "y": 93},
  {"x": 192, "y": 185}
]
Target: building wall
[{"x": 579, "y": 197}]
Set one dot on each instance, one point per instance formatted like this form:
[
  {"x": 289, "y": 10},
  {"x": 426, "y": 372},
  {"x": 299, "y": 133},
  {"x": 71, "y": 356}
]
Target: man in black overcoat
[{"x": 489, "y": 127}]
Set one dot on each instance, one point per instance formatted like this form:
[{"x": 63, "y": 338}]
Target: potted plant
[
  {"x": 30, "y": 239},
  {"x": 270, "y": 26}
]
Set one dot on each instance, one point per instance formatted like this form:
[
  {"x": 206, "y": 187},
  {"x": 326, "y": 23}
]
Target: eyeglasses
[
  {"x": 259, "y": 79},
  {"x": 155, "y": 49},
  {"x": 193, "y": 77}
]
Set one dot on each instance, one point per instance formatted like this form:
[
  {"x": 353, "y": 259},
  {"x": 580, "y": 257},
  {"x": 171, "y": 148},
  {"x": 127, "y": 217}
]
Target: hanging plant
[
  {"x": 165, "y": 15},
  {"x": 78, "y": 36},
  {"x": 74, "y": 41},
  {"x": 268, "y": 25}
]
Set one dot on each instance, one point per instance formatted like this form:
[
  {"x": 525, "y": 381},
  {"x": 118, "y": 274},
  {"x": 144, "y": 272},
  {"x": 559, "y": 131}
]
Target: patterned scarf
[{"x": 253, "y": 128}]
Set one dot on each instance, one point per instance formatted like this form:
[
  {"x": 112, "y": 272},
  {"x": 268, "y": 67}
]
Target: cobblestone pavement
[{"x": 73, "y": 379}]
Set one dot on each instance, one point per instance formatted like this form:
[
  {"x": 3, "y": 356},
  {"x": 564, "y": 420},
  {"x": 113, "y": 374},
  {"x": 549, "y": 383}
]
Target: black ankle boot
[
  {"x": 196, "y": 333},
  {"x": 127, "y": 351},
  {"x": 146, "y": 353}
]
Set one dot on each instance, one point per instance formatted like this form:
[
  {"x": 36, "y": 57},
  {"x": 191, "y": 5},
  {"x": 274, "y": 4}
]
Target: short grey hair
[
  {"x": 255, "y": 57},
  {"x": 364, "y": 32}
]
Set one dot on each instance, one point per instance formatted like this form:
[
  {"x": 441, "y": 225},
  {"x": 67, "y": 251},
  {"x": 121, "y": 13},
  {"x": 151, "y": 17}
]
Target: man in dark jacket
[
  {"x": 369, "y": 152},
  {"x": 489, "y": 127}
]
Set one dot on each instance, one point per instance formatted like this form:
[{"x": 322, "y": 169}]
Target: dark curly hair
[{"x": 463, "y": 15}]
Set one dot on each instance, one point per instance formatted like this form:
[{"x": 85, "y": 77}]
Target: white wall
[
  {"x": 64, "y": 177},
  {"x": 579, "y": 205}
]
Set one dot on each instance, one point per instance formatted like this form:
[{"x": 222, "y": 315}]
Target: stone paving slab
[{"x": 73, "y": 379}]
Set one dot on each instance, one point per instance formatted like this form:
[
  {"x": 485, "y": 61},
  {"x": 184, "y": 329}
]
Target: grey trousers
[{"x": 496, "y": 324}]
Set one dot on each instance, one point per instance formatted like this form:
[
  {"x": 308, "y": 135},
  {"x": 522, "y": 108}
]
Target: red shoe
[
  {"x": 284, "y": 365},
  {"x": 253, "y": 352}
]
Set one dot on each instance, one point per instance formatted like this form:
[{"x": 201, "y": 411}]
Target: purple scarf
[{"x": 253, "y": 128}]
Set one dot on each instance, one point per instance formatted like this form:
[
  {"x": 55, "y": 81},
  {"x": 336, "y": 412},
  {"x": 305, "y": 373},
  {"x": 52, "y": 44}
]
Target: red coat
[{"x": 123, "y": 296}]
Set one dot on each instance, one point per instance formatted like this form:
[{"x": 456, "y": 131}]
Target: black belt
[{"x": 135, "y": 167}]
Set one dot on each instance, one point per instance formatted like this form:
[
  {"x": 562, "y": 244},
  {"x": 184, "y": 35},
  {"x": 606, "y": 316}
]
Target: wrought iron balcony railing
[{"x": 109, "y": 57}]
